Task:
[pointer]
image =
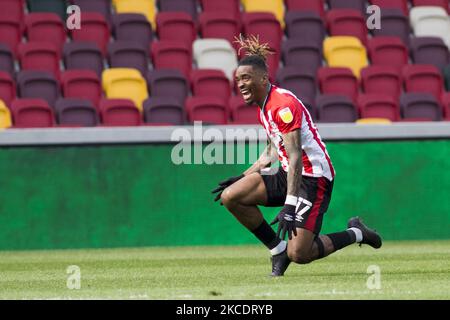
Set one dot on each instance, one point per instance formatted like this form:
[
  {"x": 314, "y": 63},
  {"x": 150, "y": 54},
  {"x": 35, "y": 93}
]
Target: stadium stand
[
  {"x": 446, "y": 73},
  {"x": 241, "y": 113},
  {"x": 275, "y": 7},
  {"x": 430, "y": 50},
  {"x": 38, "y": 84},
  {"x": 102, "y": 7},
  {"x": 129, "y": 54},
  {"x": 119, "y": 113},
  {"x": 385, "y": 79},
  {"x": 302, "y": 82},
  {"x": 168, "y": 83},
  {"x": 229, "y": 6},
  {"x": 345, "y": 51},
  {"x": 145, "y": 7},
  {"x": 391, "y": 4},
  {"x": 395, "y": 23},
  {"x": 388, "y": 51},
  {"x": 185, "y": 6},
  {"x": 32, "y": 113},
  {"x": 14, "y": 9},
  {"x": 125, "y": 83},
  {"x": 172, "y": 55},
  {"x": 10, "y": 32},
  {"x": 83, "y": 84},
  {"x": 347, "y": 22},
  {"x": 83, "y": 55},
  {"x": 338, "y": 81},
  {"x": 176, "y": 26},
  {"x": 45, "y": 27},
  {"x": 336, "y": 108},
  {"x": 379, "y": 106},
  {"x": 164, "y": 110},
  {"x": 303, "y": 55},
  {"x": 210, "y": 82},
  {"x": 7, "y": 88},
  {"x": 132, "y": 26},
  {"x": 347, "y": 4},
  {"x": 430, "y": 21},
  {"x": 446, "y": 105},
  {"x": 420, "y": 106},
  {"x": 305, "y": 27},
  {"x": 423, "y": 78},
  {"x": 210, "y": 110},
  {"x": 306, "y": 6},
  {"x": 6, "y": 59},
  {"x": 58, "y": 7},
  {"x": 444, "y": 4},
  {"x": 220, "y": 25},
  {"x": 94, "y": 28},
  {"x": 42, "y": 56},
  {"x": 75, "y": 112},
  {"x": 5, "y": 116}
]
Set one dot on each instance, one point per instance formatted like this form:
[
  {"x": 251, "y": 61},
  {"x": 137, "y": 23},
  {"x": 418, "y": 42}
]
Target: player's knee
[
  {"x": 299, "y": 257},
  {"x": 228, "y": 197}
]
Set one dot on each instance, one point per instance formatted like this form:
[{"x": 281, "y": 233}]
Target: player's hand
[
  {"x": 286, "y": 219},
  {"x": 224, "y": 184}
]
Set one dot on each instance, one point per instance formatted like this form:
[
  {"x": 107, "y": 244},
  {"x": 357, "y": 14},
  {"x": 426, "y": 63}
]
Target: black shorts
[{"x": 315, "y": 190}]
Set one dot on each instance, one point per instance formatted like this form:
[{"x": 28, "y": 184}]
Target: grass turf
[{"x": 409, "y": 270}]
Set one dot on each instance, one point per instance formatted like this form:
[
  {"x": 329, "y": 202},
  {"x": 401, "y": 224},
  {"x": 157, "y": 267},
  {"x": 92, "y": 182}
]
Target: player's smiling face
[{"x": 251, "y": 83}]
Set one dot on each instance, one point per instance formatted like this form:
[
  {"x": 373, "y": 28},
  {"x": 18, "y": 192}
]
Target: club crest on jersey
[{"x": 286, "y": 115}]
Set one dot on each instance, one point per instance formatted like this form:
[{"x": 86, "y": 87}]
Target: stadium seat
[
  {"x": 168, "y": 83},
  {"x": 229, "y": 6},
  {"x": 7, "y": 88},
  {"x": 57, "y": 7},
  {"x": 99, "y": 6},
  {"x": 220, "y": 26},
  {"x": 304, "y": 26},
  {"x": 269, "y": 30},
  {"x": 94, "y": 28},
  {"x": 6, "y": 59},
  {"x": 388, "y": 51},
  {"x": 338, "y": 81},
  {"x": 5, "y": 116},
  {"x": 275, "y": 7},
  {"x": 395, "y": 24},
  {"x": 209, "y": 52},
  {"x": 446, "y": 105},
  {"x": 129, "y": 54},
  {"x": 444, "y": 4},
  {"x": 184, "y": 6},
  {"x": 416, "y": 105},
  {"x": 210, "y": 82},
  {"x": 392, "y": 4},
  {"x": 10, "y": 33},
  {"x": 347, "y": 22},
  {"x": 76, "y": 112},
  {"x": 384, "y": 79},
  {"x": 119, "y": 113},
  {"x": 345, "y": 51},
  {"x": 300, "y": 82},
  {"x": 430, "y": 50},
  {"x": 83, "y": 55},
  {"x": 166, "y": 110},
  {"x": 83, "y": 84},
  {"x": 132, "y": 26},
  {"x": 125, "y": 83},
  {"x": 14, "y": 9},
  {"x": 379, "y": 106},
  {"x": 303, "y": 55},
  {"x": 430, "y": 22},
  {"x": 45, "y": 27},
  {"x": 446, "y": 73},
  {"x": 242, "y": 113},
  {"x": 306, "y": 6},
  {"x": 373, "y": 121},
  {"x": 42, "y": 56},
  {"x": 172, "y": 55},
  {"x": 32, "y": 113},
  {"x": 38, "y": 84},
  {"x": 145, "y": 7},
  {"x": 210, "y": 110},
  {"x": 347, "y": 4},
  {"x": 176, "y": 26},
  {"x": 423, "y": 78},
  {"x": 336, "y": 108}
]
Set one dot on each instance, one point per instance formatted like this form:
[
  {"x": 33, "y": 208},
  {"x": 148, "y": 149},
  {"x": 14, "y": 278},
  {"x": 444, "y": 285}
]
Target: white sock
[
  {"x": 358, "y": 234},
  {"x": 279, "y": 248}
]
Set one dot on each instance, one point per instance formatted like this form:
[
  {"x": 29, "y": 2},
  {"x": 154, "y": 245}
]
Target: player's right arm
[{"x": 267, "y": 157}]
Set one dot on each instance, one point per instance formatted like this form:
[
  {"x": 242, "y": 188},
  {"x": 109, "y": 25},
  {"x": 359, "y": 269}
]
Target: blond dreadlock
[{"x": 253, "y": 46}]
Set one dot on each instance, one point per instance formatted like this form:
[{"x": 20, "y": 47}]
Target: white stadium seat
[{"x": 430, "y": 21}]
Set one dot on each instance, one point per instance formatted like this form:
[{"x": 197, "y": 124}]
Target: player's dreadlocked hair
[{"x": 256, "y": 54}]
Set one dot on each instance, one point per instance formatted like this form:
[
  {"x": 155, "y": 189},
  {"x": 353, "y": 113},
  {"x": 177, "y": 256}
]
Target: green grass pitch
[{"x": 408, "y": 270}]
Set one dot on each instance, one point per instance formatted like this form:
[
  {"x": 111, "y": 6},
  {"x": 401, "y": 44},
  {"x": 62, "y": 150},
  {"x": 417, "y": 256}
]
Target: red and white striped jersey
[{"x": 283, "y": 112}]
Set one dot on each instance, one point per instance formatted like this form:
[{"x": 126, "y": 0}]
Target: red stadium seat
[
  {"x": 392, "y": 4},
  {"x": 7, "y": 88},
  {"x": 94, "y": 28},
  {"x": 338, "y": 81},
  {"x": 210, "y": 110},
  {"x": 444, "y": 4},
  {"x": 446, "y": 105},
  {"x": 172, "y": 55},
  {"x": 99, "y": 6},
  {"x": 229, "y": 6},
  {"x": 42, "y": 56},
  {"x": 14, "y": 9},
  {"x": 347, "y": 22},
  {"x": 119, "y": 112},
  {"x": 209, "y": 82},
  {"x": 423, "y": 78},
  {"x": 388, "y": 51},
  {"x": 220, "y": 25},
  {"x": 32, "y": 113},
  {"x": 46, "y": 27},
  {"x": 316, "y": 6},
  {"x": 83, "y": 84},
  {"x": 10, "y": 32},
  {"x": 379, "y": 106},
  {"x": 241, "y": 113},
  {"x": 176, "y": 26},
  {"x": 385, "y": 79}
]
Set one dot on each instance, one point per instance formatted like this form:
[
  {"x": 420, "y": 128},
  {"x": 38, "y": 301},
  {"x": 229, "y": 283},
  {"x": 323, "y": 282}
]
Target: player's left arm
[{"x": 293, "y": 144}]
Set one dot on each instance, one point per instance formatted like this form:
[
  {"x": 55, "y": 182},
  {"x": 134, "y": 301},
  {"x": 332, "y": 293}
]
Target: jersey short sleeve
[{"x": 288, "y": 117}]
